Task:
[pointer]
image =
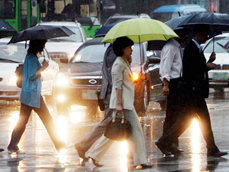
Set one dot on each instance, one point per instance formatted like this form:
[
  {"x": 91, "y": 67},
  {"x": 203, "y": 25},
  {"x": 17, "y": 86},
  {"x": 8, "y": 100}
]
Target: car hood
[
  {"x": 67, "y": 47},
  {"x": 82, "y": 69},
  {"x": 7, "y": 69}
]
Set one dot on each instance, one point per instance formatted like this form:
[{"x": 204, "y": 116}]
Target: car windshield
[
  {"x": 221, "y": 45},
  {"x": 12, "y": 52},
  {"x": 95, "y": 54},
  {"x": 77, "y": 37}
]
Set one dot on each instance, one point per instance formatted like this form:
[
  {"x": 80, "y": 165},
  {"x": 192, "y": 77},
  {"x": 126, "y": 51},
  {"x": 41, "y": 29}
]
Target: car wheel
[{"x": 141, "y": 99}]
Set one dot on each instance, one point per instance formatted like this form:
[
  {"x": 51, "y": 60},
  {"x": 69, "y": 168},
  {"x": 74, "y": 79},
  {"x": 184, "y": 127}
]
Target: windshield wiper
[
  {"x": 81, "y": 62},
  {"x": 10, "y": 60}
]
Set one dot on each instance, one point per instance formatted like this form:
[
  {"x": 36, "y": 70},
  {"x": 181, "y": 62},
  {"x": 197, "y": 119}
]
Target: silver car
[
  {"x": 65, "y": 47},
  {"x": 10, "y": 56}
]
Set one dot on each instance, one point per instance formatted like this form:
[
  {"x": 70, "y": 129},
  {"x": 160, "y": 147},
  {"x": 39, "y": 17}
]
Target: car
[
  {"x": 154, "y": 57},
  {"x": 61, "y": 47},
  {"x": 167, "y": 12},
  {"x": 219, "y": 77},
  {"x": 78, "y": 82},
  {"x": 117, "y": 18},
  {"x": 11, "y": 55}
]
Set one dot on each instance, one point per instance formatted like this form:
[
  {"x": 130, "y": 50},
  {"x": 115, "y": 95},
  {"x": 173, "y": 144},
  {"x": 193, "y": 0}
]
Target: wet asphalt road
[{"x": 41, "y": 156}]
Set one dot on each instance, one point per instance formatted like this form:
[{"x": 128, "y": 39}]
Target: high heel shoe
[{"x": 95, "y": 162}]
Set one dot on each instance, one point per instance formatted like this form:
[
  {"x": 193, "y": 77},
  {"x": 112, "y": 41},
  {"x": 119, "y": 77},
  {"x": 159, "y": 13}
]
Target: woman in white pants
[{"x": 122, "y": 101}]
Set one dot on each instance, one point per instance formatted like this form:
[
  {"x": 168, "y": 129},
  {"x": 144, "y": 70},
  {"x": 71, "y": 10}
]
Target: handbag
[{"x": 118, "y": 128}]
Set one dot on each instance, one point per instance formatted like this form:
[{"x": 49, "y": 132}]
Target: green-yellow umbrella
[{"x": 140, "y": 30}]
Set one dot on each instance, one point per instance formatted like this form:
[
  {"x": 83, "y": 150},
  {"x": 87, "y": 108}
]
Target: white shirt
[
  {"x": 171, "y": 61},
  {"x": 198, "y": 45}
]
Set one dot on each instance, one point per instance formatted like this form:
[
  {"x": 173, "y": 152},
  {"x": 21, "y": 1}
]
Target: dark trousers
[
  {"x": 173, "y": 108},
  {"x": 192, "y": 107},
  {"x": 45, "y": 117}
]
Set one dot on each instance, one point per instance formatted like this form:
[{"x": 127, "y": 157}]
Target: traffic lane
[{"x": 72, "y": 127}]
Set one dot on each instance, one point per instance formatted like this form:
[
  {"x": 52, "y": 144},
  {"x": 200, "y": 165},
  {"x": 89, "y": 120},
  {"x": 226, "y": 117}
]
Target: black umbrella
[
  {"x": 218, "y": 22},
  {"x": 103, "y": 30},
  {"x": 6, "y": 29},
  {"x": 41, "y": 32}
]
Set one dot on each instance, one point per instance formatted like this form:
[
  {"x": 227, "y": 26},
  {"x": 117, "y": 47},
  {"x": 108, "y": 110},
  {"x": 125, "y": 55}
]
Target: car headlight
[
  {"x": 12, "y": 79},
  {"x": 61, "y": 80},
  {"x": 135, "y": 76}
]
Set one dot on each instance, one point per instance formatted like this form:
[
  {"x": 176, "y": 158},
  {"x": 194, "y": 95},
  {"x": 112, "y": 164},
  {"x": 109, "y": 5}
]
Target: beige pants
[{"x": 136, "y": 142}]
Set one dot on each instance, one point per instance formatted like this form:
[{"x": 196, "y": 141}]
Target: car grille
[
  {"x": 57, "y": 55},
  {"x": 86, "y": 81},
  {"x": 223, "y": 67}
]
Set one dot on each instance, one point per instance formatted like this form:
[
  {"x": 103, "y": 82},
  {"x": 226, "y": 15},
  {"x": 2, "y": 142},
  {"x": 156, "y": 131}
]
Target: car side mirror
[
  {"x": 154, "y": 59},
  {"x": 64, "y": 60}
]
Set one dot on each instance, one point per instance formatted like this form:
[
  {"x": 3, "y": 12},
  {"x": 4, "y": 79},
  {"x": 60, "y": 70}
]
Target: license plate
[
  {"x": 89, "y": 94},
  {"x": 220, "y": 76}
]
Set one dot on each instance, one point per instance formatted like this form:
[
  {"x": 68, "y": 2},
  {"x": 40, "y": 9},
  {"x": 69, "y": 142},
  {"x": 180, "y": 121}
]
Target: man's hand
[
  {"x": 212, "y": 57},
  {"x": 165, "y": 90},
  {"x": 211, "y": 65}
]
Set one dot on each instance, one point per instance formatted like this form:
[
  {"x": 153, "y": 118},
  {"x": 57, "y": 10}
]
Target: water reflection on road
[{"x": 76, "y": 124}]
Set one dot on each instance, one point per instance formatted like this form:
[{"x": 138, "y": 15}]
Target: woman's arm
[
  {"x": 119, "y": 107},
  {"x": 43, "y": 67}
]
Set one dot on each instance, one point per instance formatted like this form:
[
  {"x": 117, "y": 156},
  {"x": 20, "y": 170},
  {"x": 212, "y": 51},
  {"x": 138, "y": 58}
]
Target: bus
[{"x": 22, "y": 14}]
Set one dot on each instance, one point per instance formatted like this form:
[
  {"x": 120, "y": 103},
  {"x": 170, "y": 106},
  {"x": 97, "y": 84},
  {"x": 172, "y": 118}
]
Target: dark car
[
  {"x": 154, "y": 57},
  {"x": 78, "y": 82}
]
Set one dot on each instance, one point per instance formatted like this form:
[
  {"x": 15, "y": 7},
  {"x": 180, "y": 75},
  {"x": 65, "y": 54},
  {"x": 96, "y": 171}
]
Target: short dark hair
[
  {"x": 201, "y": 29},
  {"x": 36, "y": 46},
  {"x": 121, "y": 43}
]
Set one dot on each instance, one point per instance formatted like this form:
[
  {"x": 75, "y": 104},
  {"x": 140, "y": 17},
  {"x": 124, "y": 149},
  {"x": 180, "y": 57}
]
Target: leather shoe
[
  {"x": 174, "y": 149},
  {"x": 216, "y": 154},
  {"x": 95, "y": 162},
  {"x": 144, "y": 166},
  {"x": 163, "y": 148},
  {"x": 81, "y": 152}
]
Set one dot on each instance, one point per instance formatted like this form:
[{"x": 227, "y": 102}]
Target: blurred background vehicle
[
  {"x": 154, "y": 57},
  {"x": 219, "y": 77},
  {"x": 167, "y": 12},
  {"x": 79, "y": 80},
  {"x": 10, "y": 56},
  {"x": 118, "y": 17},
  {"x": 90, "y": 25},
  {"x": 65, "y": 47}
]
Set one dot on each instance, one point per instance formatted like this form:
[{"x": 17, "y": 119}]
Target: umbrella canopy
[
  {"x": 218, "y": 22},
  {"x": 41, "y": 32},
  {"x": 175, "y": 22},
  {"x": 140, "y": 30},
  {"x": 103, "y": 30},
  {"x": 6, "y": 29}
]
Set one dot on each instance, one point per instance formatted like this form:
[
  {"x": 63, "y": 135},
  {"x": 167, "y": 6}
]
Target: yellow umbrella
[{"x": 140, "y": 30}]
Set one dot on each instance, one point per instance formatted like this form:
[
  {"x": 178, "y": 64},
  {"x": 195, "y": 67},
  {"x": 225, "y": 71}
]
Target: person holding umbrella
[
  {"x": 196, "y": 89},
  {"x": 31, "y": 98}
]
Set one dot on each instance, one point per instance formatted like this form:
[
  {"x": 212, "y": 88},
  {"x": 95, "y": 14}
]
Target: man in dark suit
[{"x": 193, "y": 104}]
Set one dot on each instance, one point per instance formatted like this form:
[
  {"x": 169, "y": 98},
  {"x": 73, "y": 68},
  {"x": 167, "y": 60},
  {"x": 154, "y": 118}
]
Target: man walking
[{"x": 195, "y": 77}]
